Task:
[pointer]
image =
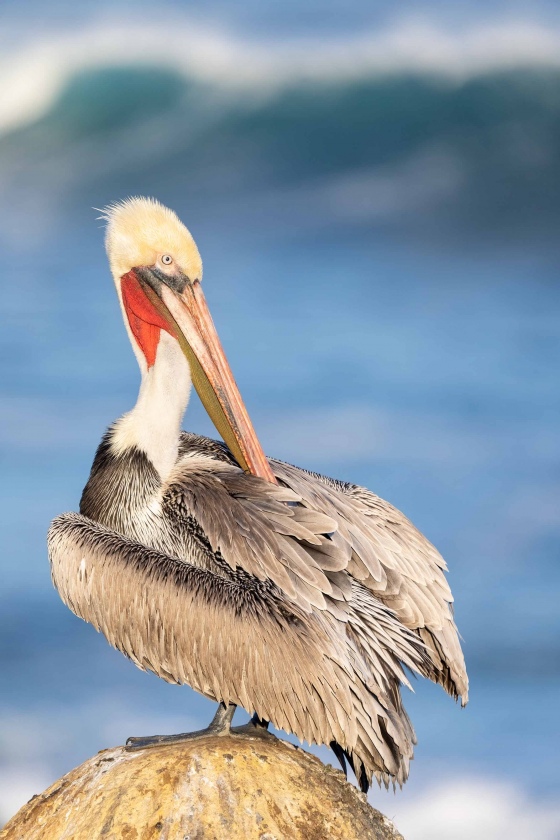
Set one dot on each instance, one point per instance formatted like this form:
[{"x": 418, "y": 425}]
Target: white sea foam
[
  {"x": 473, "y": 808},
  {"x": 18, "y": 783},
  {"x": 37, "y": 747},
  {"x": 32, "y": 75}
]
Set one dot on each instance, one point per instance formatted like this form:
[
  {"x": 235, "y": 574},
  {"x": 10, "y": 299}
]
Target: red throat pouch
[{"x": 145, "y": 321}]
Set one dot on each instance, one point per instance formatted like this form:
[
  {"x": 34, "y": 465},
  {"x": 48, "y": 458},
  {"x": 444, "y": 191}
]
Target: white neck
[{"x": 154, "y": 423}]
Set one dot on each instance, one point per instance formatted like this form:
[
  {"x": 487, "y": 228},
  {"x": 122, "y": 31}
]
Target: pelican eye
[{"x": 166, "y": 259}]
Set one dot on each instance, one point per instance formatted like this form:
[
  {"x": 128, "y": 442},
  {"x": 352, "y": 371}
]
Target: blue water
[{"x": 382, "y": 329}]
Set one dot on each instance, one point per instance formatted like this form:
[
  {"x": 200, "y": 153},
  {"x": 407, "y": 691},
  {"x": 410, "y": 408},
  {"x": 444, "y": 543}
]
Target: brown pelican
[{"x": 259, "y": 584}]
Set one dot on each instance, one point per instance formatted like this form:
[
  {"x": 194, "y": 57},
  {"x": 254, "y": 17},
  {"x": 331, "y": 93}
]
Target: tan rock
[{"x": 211, "y": 788}]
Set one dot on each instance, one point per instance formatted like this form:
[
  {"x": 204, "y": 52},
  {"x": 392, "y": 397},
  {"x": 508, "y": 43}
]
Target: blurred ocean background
[{"x": 377, "y": 202}]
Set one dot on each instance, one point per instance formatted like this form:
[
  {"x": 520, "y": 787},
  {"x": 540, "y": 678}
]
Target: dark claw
[{"x": 256, "y": 728}]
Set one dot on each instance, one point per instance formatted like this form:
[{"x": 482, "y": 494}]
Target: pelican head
[
  {"x": 141, "y": 231},
  {"x": 158, "y": 272}
]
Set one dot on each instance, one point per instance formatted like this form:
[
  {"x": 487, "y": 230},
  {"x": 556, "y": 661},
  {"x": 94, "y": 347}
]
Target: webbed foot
[{"x": 221, "y": 725}]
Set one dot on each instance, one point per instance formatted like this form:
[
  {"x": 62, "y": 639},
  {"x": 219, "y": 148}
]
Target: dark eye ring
[{"x": 166, "y": 259}]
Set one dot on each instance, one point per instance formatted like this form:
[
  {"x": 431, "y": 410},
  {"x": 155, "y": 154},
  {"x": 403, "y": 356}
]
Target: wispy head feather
[{"x": 139, "y": 230}]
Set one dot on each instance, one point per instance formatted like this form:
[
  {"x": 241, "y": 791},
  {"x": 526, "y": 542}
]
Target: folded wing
[{"x": 393, "y": 560}]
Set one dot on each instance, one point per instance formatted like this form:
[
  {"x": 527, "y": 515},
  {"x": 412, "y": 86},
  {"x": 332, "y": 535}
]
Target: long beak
[{"x": 189, "y": 317}]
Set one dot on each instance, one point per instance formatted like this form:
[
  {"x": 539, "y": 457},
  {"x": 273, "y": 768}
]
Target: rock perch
[{"x": 236, "y": 788}]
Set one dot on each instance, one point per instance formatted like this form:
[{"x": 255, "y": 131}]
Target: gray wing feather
[
  {"x": 239, "y": 639},
  {"x": 327, "y": 526},
  {"x": 247, "y": 520},
  {"x": 395, "y": 561}
]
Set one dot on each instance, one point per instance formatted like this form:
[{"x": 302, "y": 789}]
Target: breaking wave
[{"x": 462, "y": 130}]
